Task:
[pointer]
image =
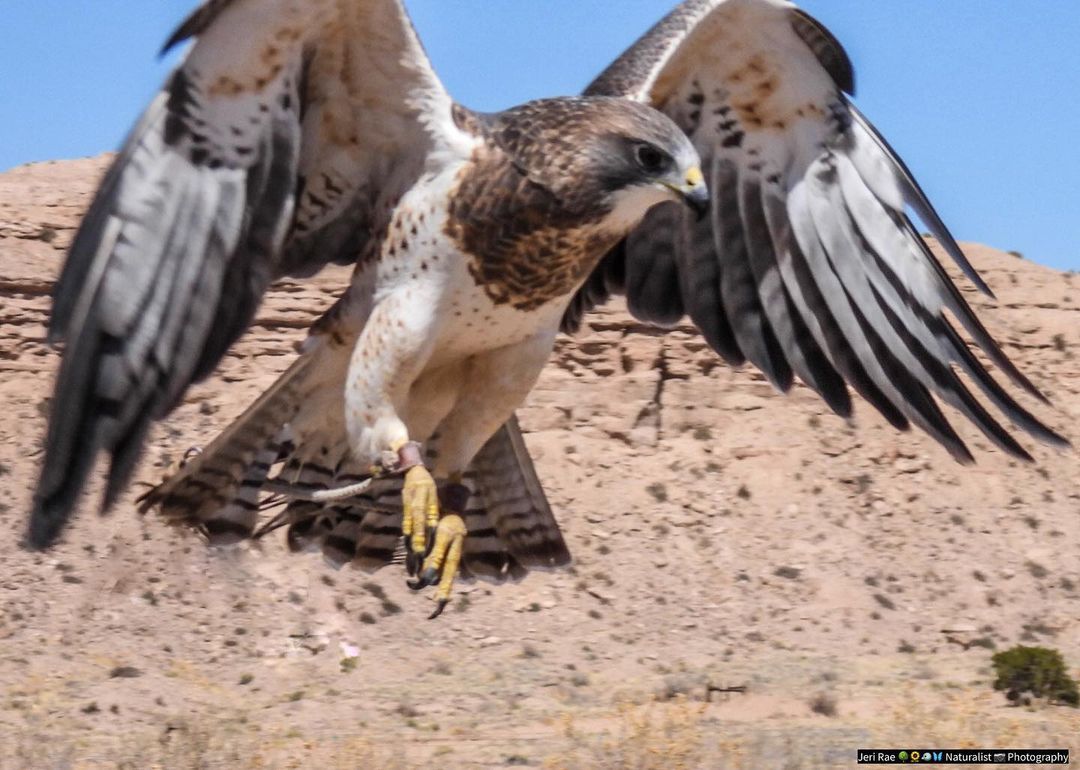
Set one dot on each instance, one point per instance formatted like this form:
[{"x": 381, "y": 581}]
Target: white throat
[{"x": 631, "y": 205}]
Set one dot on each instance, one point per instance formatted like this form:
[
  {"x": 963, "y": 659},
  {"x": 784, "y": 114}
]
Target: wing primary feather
[
  {"x": 799, "y": 346},
  {"x": 960, "y": 308},
  {"x": 613, "y": 273},
  {"x": 841, "y": 246},
  {"x": 910, "y": 301},
  {"x": 998, "y": 395},
  {"x": 61, "y": 480},
  {"x": 93, "y": 242},
  {"x": 156, "y": 390},
  {"x": 807, "y": 296},
  {"x": 249, "y": 272},
  {"x": 918, "y": 402},
  {"x": 699, "y": 282},
  {"x": 924, "y": 326},
  {"x": 737, "y": 288},
  {"x": 905, "y": 392},
  {"x": 918, "y": 201},
  {"x": 953, "y": 390},
  {"x": 93, "y": 376}
]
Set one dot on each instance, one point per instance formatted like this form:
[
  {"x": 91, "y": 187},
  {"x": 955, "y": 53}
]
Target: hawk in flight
[{"x": 717, "y": 169}]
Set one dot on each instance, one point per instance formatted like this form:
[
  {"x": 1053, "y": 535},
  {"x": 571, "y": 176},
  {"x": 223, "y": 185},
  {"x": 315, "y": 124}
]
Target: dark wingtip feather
[
  {"x": 952, "y": 248},
  {"x": 1056, "y": 440},
  {"x": 967, "y": 318},
  {"x": 1022, "y": 380},
  {"x": 191, "y": 26},
  {"x": 839, "y": 400},
  {"x": 963, "y": 457},
  {"x": 54, "y": 500},
  {"x": 1006, "y": 403},
  {"x": 124, "y": 457},
  {"x": 918, "y": 201},
  {"x": 47, "y": 521},
  {"x": 828, "y": 50},
  {"x": 177, "y": 37},
  {"x": 1023, "y": 455},
  {"x": 195, "y": 23}
]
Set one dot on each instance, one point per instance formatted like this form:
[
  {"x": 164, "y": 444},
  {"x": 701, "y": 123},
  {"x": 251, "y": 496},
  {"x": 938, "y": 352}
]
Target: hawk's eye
[{"x": 651, "y": 158}]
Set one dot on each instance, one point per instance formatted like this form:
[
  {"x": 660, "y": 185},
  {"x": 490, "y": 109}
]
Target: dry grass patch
[
  {"x": 968, "y": 718},
  {"x": 653, "y": 737}
]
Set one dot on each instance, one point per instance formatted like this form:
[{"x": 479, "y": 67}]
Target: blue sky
[{"x": 981, "y": 98}]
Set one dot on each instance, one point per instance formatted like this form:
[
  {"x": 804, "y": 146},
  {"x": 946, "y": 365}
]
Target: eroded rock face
[{"x": 721, "y": 532}]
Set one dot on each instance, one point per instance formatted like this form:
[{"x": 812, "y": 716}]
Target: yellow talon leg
[
  {"x": 443, "y": 561},
  {"x": 420, "y": 501}
]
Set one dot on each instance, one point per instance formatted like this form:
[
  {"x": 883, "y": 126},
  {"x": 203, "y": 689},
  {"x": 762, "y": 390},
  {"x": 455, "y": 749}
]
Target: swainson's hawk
[{"x": 301, "y": 132}]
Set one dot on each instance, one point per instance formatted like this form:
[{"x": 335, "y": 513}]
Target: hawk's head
[{"x": 611, "y": 157}]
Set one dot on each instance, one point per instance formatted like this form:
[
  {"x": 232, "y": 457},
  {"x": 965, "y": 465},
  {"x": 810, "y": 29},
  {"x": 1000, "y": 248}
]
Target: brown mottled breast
[{"x": 527, "y": 244}]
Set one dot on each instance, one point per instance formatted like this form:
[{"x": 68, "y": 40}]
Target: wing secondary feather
[
  {"x": 276, "y": 146},
  {"x": 808, "y": 264}
]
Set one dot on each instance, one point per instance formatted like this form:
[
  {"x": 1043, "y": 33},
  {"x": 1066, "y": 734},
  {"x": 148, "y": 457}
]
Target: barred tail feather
[
  {"x": 236, "y": 521},
  {"x": 223, "y": 492},
  {"x": 503, "y": 476},
  {"x": 486, "y": 556},
  {"x": 217, "y": 491}
]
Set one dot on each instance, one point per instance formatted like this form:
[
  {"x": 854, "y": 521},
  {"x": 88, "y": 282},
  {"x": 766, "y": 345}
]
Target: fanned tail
[
  {"x": 219, "y": 491},
  {"x": 252, "y": 479}
]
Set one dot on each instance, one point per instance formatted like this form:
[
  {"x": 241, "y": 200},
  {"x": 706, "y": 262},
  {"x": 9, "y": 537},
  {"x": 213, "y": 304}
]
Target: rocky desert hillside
[{"x": 848, "y": 582}]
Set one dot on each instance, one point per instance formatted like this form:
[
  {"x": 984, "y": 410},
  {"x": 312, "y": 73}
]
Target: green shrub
[{"x": 1037, "y": 670}]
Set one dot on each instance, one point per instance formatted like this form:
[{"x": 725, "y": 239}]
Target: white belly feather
[
  {"x": 432, "y": 329},
  {"x": 469, "y": 322}
]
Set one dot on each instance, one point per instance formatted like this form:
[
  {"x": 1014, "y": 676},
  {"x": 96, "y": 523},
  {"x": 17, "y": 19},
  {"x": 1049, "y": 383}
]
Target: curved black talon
[
  {"x": 191, "y": 453},
  {"x": 429, "y": 577},
  {"x": 413, "y": 560},
  {"x": 439, "y": 607}
]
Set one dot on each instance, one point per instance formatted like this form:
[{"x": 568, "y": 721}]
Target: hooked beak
[{"x": 693, "y": 191}]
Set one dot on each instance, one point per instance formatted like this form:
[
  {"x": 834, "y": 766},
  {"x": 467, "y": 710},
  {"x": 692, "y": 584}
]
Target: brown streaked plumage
[
  {"x": 470, "y": 233},
  {"x": 528, "y": 205},
  {"x": 527, "y": 248},
  {"x": 302, "y": 132}
]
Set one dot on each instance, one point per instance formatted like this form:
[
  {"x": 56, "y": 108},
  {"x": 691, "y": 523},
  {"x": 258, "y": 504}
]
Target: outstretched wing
[
  {"x": 807, "y": 264},
  {"x": 278, "y": 145}
]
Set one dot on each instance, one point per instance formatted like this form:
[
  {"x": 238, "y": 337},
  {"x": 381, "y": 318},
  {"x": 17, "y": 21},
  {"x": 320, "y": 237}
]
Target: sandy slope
[{"x": 722, "y": 535}]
